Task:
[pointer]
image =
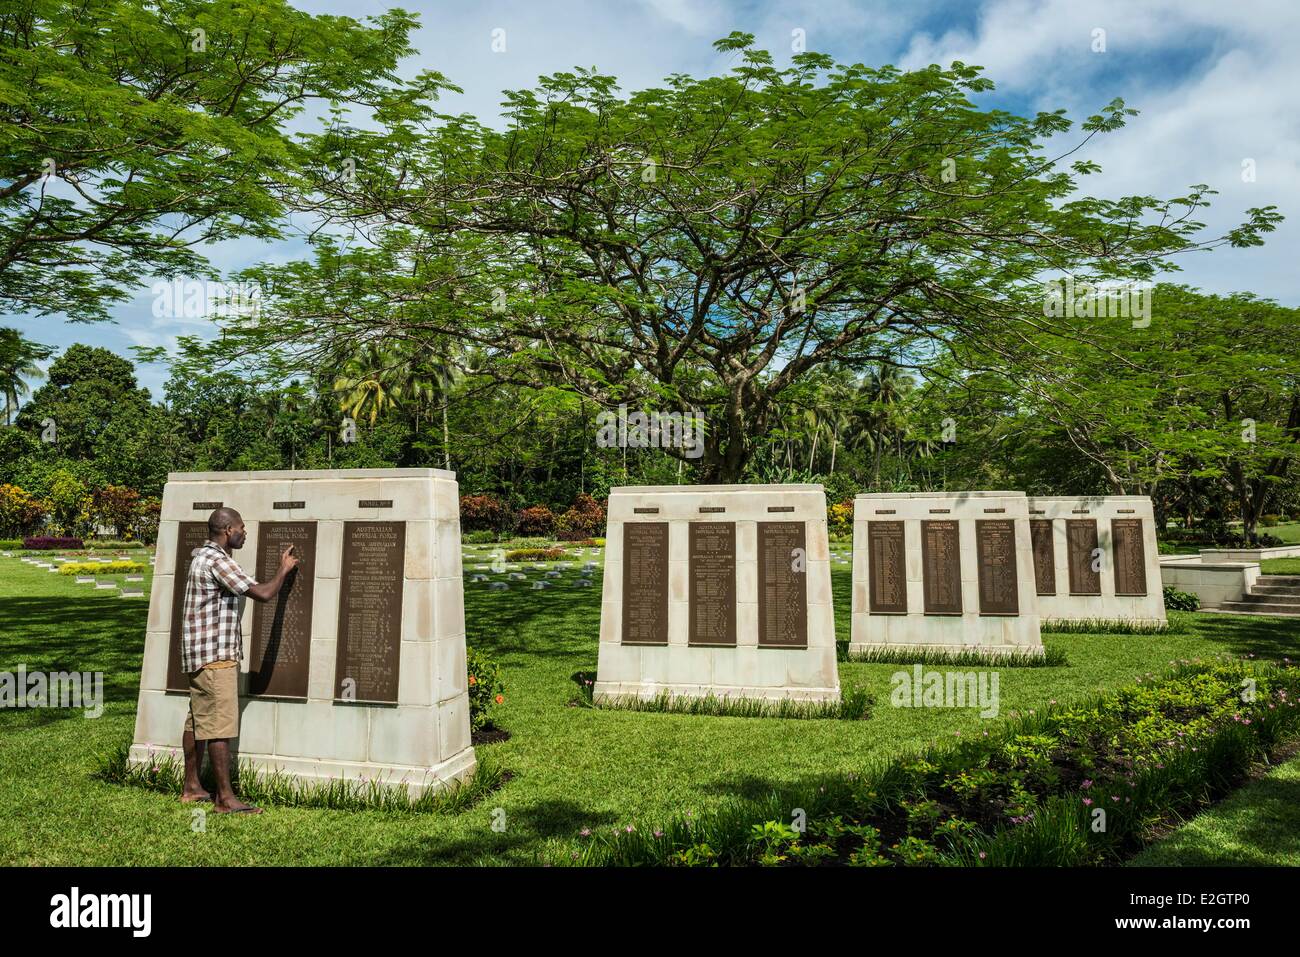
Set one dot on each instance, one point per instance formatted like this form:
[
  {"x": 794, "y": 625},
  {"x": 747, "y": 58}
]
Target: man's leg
[
  {"x": 193, "y": 789},
  {"x": 226, "y": 802}
]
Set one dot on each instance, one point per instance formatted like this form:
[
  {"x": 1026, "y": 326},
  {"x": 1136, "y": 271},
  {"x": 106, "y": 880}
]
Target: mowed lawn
[
  {"x": 572, "y": 767},
  {"x": 1258, "y": 826}
]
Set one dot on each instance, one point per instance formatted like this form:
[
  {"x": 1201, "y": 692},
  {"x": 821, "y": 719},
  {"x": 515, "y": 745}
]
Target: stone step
[
  {"x": 1256, "y": 598},
  {"x": 1247, "y": 608},
  {"x": 1279, "y": 579},
  {"x": 1259, "y": 589}
]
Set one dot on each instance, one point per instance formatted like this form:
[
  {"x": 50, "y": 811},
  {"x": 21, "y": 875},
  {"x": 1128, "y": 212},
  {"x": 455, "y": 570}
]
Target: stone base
[
  {"x": 612, "y": 691},
  {"x": 991, "y": 651},
  {"x": 310, "y": 771}
]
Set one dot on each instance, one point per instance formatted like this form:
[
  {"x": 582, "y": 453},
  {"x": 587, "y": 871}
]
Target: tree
[
  {"x": 18, "y": 358},
  {"x": 136, "y": 131},
  {"x": 709, "y": 243},
  {"x": 101, "y": 417}
]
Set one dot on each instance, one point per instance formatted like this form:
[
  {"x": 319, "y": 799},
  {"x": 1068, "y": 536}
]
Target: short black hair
[{"x": 221, "y": 519}]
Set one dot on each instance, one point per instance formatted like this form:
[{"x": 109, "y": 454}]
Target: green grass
[
  {"x": 571, "y": 767},
  {"x": 1258, "y": 826},
  {"x": 1289, "y": 532},
  {"x": 1280, "y": 566}
]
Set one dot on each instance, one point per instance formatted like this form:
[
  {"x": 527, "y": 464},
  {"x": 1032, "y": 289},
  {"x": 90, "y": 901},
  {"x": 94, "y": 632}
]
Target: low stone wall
[
  {"x": 1249, "y": 554},
  {"x": 1213, "y": 582}
]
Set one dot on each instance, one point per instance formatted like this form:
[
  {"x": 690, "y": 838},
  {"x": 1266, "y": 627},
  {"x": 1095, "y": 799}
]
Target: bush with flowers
[
  {"x": 1063, "y": 786},
  {"x": 486, "y": 689}
]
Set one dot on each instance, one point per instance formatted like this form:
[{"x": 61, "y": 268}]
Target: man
[{"x": 211, "y": 647}]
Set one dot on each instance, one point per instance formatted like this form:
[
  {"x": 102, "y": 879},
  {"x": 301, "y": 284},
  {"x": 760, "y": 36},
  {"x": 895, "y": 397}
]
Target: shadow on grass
[
  {"x": 73, "y": 633},
  {"x": 1269, "y": 638},
  {"x": 525, "y": 830}
]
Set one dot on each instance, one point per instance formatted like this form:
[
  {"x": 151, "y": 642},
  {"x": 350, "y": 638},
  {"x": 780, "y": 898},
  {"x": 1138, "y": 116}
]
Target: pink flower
[
  {"x": 585, "y": 832},
  {"x": 983, "y": 855},
  {"x": 1087, "y": 783},
  {"x": 1087, "y": 802}
]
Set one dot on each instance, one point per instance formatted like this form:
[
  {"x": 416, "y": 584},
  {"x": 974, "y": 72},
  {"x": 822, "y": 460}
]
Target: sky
[{"x": 1213, "y": 82}]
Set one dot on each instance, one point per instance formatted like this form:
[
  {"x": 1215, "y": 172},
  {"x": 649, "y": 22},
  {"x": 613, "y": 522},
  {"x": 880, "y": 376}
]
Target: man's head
[{"x": 226, "y": 528}]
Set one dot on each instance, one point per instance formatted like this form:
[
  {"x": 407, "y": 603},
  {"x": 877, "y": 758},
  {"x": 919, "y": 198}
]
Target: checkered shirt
[{"x": 210, "y": 623}]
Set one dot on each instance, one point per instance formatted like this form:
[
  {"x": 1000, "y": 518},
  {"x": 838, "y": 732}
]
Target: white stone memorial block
[
  {"x": 947, "y": 571},
  {"x": 1095, "y": 559},
  {"x": 357, "y": 669},
  {"x": 717, "y": 589}
]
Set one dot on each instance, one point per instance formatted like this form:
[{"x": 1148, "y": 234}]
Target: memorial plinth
[
  {"x": 943, "y": 570},
  {"x": 357, "y": 668},
  {"x": 1095, "y": 559},
  {"x": 717, "y": 589}
]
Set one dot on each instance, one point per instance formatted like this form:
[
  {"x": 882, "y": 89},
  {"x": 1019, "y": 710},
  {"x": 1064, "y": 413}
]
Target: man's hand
[{"x": 288, "y": 560}]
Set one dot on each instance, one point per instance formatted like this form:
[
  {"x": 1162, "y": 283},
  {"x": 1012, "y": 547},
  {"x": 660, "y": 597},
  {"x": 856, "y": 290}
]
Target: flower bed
[
  {"x": 46, "y": 543},
  {"x": 101, "y": 568},
  {"x": 1069, "y": 786},
  {"x": 536, "y": 555}
]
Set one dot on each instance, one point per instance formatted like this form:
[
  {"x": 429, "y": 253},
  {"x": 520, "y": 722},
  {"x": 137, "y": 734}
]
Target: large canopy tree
[
  {"x": 709, "y": 243},
  {"x": 131, "y": 133}
]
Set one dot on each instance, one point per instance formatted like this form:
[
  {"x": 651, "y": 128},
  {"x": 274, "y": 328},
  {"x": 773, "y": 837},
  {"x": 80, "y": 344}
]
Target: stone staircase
[{"x": 1270, "y": 595}]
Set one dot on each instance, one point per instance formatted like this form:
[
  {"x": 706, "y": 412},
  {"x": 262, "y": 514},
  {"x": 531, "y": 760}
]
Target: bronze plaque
[
  {"x": 206, "y": 506},
  {"x": 713, "y": 583},
  {"x": 995, "y": 549},
  {"x": 782, "y": 585},
  {"x": 887, "y": 568},
  {"x": 1040, "y": 535},
  {"x": 281, "y": 649},
  {"x": 370, "y": 611},
  {"x": 645, "y": 583},
  {"x": 289, "y": 505},
  {"x": 1129, "y": 557},
  {"x": 941, "y": 567},
  {"x": 375, "y": 503},
  {"x": 189, "y": 536},
  {"x": 1080, "y": 544}
]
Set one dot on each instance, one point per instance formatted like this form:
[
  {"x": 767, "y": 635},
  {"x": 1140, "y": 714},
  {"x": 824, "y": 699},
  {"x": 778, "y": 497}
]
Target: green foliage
[
  {"x": 486, "y": 689},
  {"x": 1025, "y": 794},
  {"x": 536, "y": 554},
  {"x": 1176, "y": 600},
  {"x": 101, "y": 568}
]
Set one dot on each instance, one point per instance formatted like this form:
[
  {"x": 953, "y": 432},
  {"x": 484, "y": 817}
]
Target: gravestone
[
  {"x": 947, "y": 570},
  {"x": 717, "y": 589},
  {"x": 1095, "y": 558},
  {"x": 85, "y": 580},
  {"x": 357, "y": 668}
]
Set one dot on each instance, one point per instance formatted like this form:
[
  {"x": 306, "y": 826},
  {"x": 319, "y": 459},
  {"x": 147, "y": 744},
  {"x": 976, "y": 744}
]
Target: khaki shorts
[{"x": 214, "y": 703}]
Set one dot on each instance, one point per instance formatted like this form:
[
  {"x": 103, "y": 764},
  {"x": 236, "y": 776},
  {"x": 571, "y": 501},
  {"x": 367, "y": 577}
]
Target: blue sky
[{"x": 1213, "y": 82}]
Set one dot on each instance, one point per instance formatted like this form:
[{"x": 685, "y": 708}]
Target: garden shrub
[
  {"x": 101, "y": 568},
  {"x": 839, "y": 519},
  {"x": 45, "y": 542},
  {"x": 584, "y": 518},
  {"x": 536, "y": 554},
  {"x": 481, "y": 537},
  {"x": 1176, "y": 600},
  {"x": 482, "y": 513},
  {"x": 536, "y": 520},
  {"x": 20, "y": 513},
  {"x": 486, "y": 689},
  {"x": 1027, "y": 794}
]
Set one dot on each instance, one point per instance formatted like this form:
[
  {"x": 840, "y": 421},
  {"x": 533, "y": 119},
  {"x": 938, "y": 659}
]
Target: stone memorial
[
  {"x": 943, "y": 570},
  {"x": 357, "y": 668},
  {"x": 1095, "y": 558},
  {"x": 717, "y": 589}
]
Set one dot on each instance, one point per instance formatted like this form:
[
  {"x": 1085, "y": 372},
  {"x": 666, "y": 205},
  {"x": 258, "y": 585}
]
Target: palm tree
[{"x": 18, "y": 358}]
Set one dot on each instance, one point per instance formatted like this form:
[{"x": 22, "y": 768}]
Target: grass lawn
[
  {"x": 1289, "y": 532},
  {"x": 1280, "y": 566},
  {"x": 1258, "y": 826},
  {"x": 573, "y": 767}
]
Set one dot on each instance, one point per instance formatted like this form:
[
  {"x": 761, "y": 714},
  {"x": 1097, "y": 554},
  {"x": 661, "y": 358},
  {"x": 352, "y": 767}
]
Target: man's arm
[{"x": 265, "y": 591}]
